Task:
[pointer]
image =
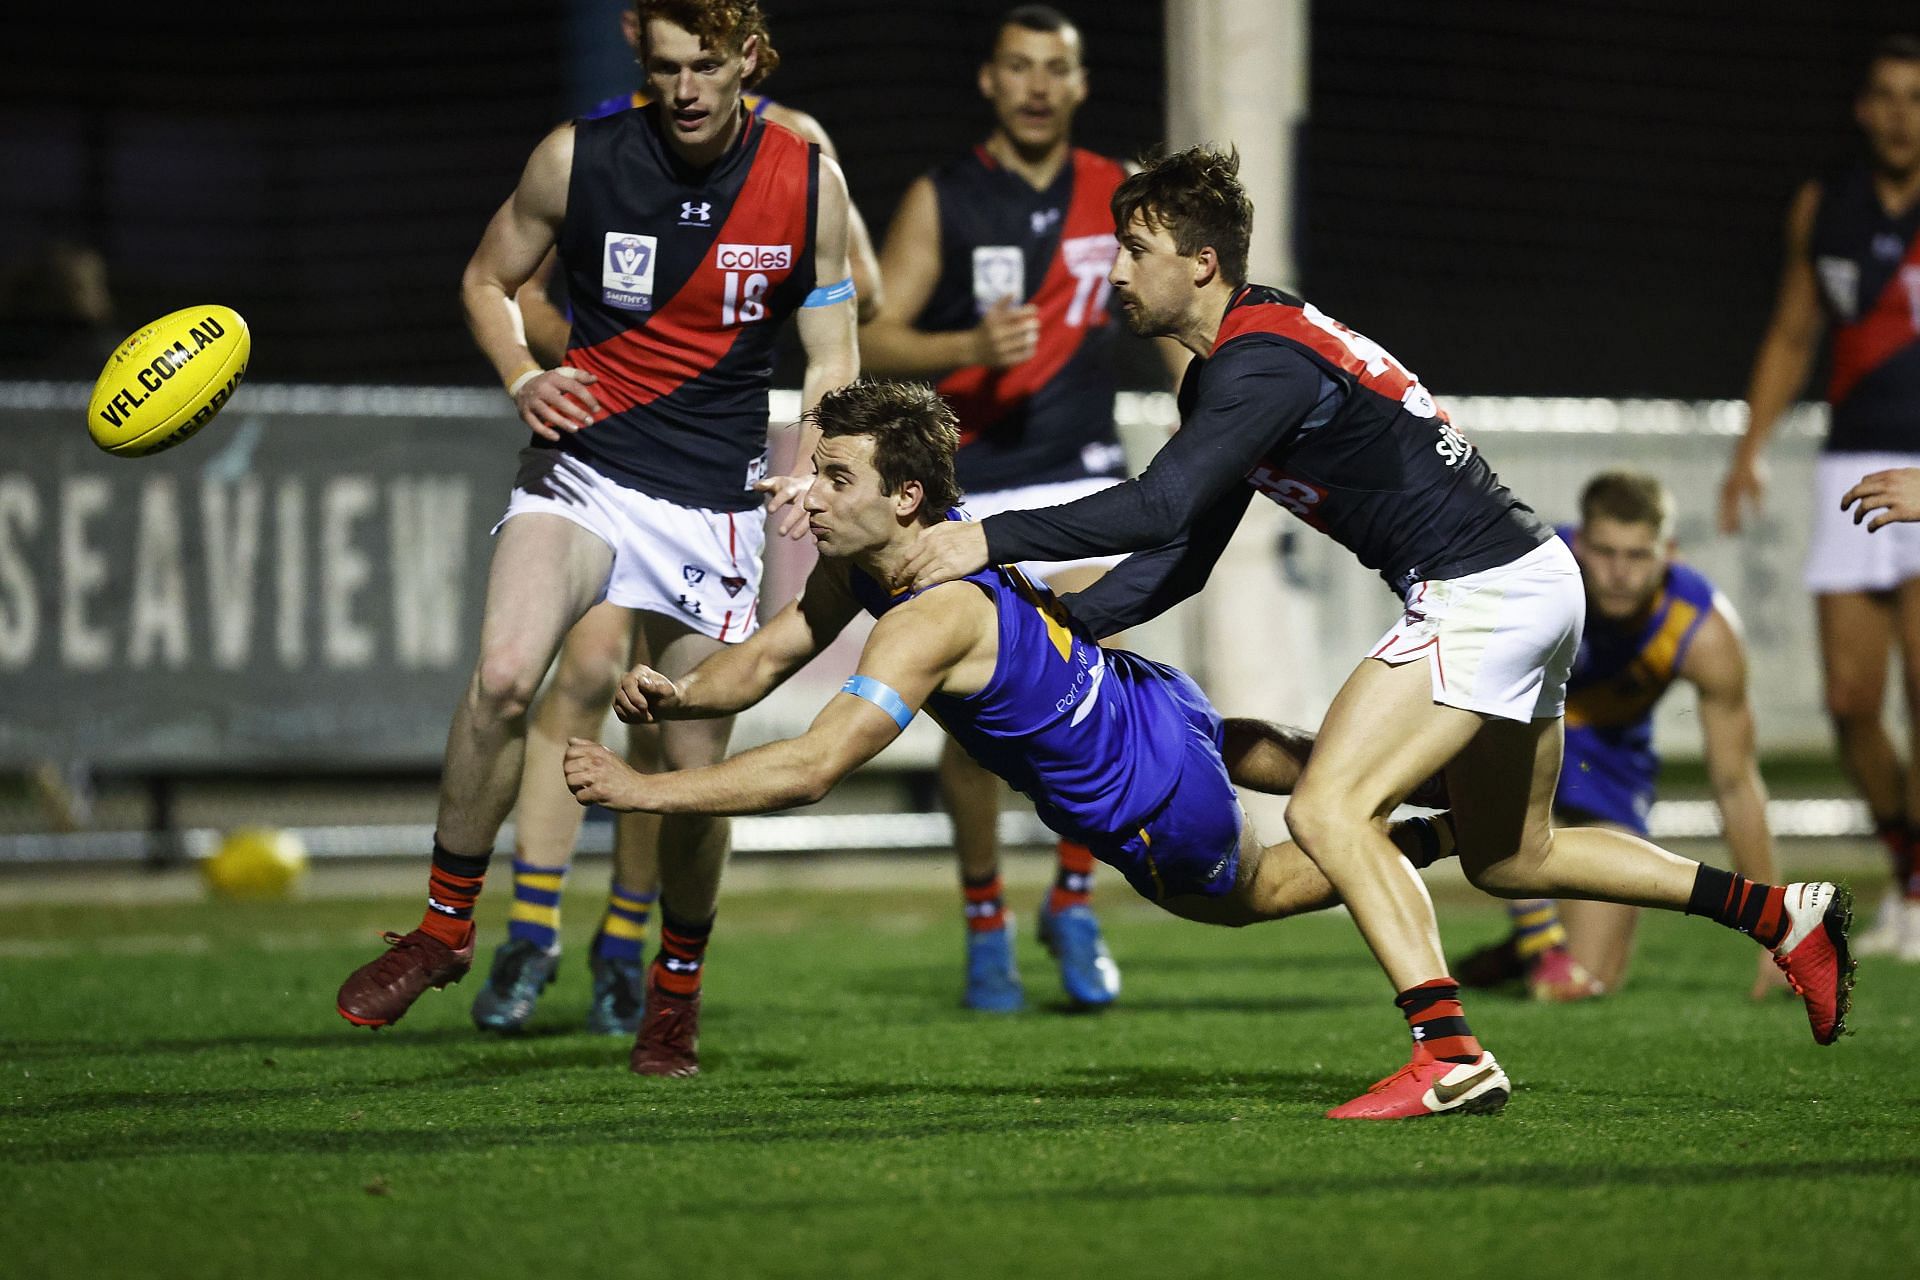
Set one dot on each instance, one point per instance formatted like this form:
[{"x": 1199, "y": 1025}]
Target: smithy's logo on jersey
[
  {"x": 626, "y": 271},
  {"x": 753, "y": 257},
  {"x": 696, "y": 213},
  {"x": 999, "y": 272}
]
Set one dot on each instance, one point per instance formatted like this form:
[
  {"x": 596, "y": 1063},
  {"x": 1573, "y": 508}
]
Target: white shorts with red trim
[
  {"x": 1500, "y": 642},
  {"x": 699, "y": 566},
  {"x": 1027, "y": 497},
  {"x": 1842, "y": 557}
]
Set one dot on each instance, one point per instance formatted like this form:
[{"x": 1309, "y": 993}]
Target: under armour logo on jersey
[
  {"x": 1042, "y": 219},
  {"x": 1419, "y": 1032},
  {"x": 696, "y": 213},
  {"x": 691, "y": 606},
  {"x": 674, "y": 964}
]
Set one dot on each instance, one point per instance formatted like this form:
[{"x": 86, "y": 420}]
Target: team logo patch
[
  {"x": 734, "y": 586},
  {"x": 696, "y": 213},
  {"x": 694, "y": 574},
  {"x": 753, "y": 257},
  {"x": 999, "y": 272},
  {"x": 626, "y": 270}
]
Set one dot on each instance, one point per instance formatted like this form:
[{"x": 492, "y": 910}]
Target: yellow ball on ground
[{"x": 256, "y": 862}]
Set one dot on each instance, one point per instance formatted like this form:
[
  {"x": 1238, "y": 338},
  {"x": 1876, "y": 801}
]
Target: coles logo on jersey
[
  {"x": 753, "y": 257},
  {"x": 626, "y": 271}
]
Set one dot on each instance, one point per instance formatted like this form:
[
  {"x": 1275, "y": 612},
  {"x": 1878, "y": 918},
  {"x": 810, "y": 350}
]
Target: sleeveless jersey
[
  {"x": 1094, "y": 737},
  {"x": 1386, "y": 475},
  {"x": 1620, "y": 673},
  {"x": 679, "y": 281},
  {"x": 1049, "y": 418},
  {"x": 1868, "y": 266},
  {"x": 640, "y": 97}
]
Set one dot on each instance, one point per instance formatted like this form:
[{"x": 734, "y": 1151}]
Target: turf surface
[{"x": 181, "y": 1100}]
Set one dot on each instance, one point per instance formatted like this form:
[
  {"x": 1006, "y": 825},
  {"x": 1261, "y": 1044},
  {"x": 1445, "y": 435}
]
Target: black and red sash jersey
[
  {"x": 1868, "y": 265},
  {"x": 1049, "y": 418},
  {"x": 1320, "y": 419},
  {"x": 679, "y": 281}
]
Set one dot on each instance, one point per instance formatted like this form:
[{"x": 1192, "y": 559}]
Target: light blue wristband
[
  {"x": 880, "y": 696},
  {"x": 828, "y": 294}
]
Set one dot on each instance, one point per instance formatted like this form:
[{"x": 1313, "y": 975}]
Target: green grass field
[{"x": 181, "y": 1100}]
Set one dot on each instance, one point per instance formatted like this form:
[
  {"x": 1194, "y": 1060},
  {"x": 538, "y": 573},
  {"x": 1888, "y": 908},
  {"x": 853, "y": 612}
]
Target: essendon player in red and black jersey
[
  {"x": 1853, "y": 269},
  {"x": 995, "y": 268},
  {"x": 1283, "y": 399},
  {"x": 688, "y": 231}
]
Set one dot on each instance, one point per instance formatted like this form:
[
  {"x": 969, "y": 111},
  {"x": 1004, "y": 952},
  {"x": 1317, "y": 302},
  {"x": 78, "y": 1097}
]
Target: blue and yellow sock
[
  {"x": 623, "y": 929},
  {"x": 535, "y": 916},
  {"x": 1536, "y": 927}
]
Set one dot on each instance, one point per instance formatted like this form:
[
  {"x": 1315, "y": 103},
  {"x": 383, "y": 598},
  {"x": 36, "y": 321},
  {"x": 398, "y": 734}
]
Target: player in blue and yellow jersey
[
  {"x": 1116, "y": 751},
  {"x": 1283, "y": 399},
  {"x": 995, "y": 267},
  {"x": 689, "y": 231},
  {"x": 597, "y": 650},
  {"x": 1853, "y": 270},
  {"x": 1652, "y": 622}
]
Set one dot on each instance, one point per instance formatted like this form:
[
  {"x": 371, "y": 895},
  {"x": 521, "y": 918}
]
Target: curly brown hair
[
  {"x": 914, "y": 434},
  {"x": 721, "y": 24}
]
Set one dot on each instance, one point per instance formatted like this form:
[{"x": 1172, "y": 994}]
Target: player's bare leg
[
  {"x": 1600, "y": 938},
  {"x": 1907, "y": 895},
  {"x": 1857, "y": 631},
  {"x": 546, "y": 572},
  {"x": 693, "y": 854},
  {"x": 547, "y": 818}
]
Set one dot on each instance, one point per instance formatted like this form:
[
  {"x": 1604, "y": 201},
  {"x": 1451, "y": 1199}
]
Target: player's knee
[
  {"x": 1853, "y": 704},
  {"x": 504, "y": 684},
  {"x": 691, "y": 744},
  {"x": 1518, "y": 875},
  {"x": 1316, "y": 816}
]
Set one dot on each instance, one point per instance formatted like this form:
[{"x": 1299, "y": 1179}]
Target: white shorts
[
  {"x": 700, "y": 566},
  {"x": 1501, "y": 641},
  {"x": 1843, "y": 556},
  {"x": 1026, "y": 497}
]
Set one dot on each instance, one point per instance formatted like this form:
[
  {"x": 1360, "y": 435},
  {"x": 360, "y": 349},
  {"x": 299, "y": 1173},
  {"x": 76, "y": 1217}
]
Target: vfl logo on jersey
[
  {"x": 626, "y": 271},
  {"x": 694, "y": 574},
  {"x": 1840, "y": 281},
  {"x": 696, "y": 213},
  {"x": 753, "y": 257},
  {"x": 999, "y": 272},
  {"x": 1297, "y": 496}
]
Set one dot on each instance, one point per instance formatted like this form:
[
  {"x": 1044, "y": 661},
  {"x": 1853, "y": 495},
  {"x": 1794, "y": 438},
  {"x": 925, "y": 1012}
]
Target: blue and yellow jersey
[
  {"x": 1095, "y": 737},
  {"x": 755, "y": 103},
  {"x": 1621, "y": 673}
]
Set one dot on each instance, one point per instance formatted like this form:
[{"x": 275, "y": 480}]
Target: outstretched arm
[
  {"x": 911, "y": 652},
  {"x": 1257, "y": 394},
  {"x": 1716, "y": 665},
  {"x": 1148, "y": 583}
]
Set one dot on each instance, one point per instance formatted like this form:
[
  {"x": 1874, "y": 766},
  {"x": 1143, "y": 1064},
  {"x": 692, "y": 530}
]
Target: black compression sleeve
[{"x": 1148, "y": 583}]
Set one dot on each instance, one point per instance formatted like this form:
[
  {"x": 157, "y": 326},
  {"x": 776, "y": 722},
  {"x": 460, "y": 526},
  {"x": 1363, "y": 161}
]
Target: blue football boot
[
  {"x": 993, "y": 983},
  {"x": 521, "y": 971},
  {"x": 619, "y": 996},
  {"x": 1087, "y": 970}
]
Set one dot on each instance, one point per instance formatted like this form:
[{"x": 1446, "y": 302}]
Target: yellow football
[
  {"x": 256, "y": 862},
  {"x": 168, "y": 380}
]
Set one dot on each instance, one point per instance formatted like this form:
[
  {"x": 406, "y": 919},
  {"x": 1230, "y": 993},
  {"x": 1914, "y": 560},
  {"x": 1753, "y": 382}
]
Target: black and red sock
[
  {"x": 682, "y": 955},
  {"x": 986, "y": 907},
  {"x": 1899, "y": 838},
  {"x": 1437, "y": 1021},
  {"x": 1758, "y": 910},
  {"x": 453, "y": 886},
  {"x": 1073, "y": 882}
]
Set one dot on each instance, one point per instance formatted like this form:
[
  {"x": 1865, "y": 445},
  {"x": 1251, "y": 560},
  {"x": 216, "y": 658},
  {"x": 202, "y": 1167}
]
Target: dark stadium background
[{"x": 1571, "y": 199}]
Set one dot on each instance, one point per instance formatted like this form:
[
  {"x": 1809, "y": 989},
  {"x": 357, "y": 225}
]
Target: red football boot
[
  {"x": 1429, "y": 1086},
  {"x": 1557, "y": 978},
  {"x": 1814, "y": 954},
  {"x": 669, "y": 1039},
  {"x": 380, "y": 993}
]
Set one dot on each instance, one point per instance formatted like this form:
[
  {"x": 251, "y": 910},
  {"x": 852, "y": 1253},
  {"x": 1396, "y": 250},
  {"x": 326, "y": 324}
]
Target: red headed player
[{"x": 688, "y": 231}]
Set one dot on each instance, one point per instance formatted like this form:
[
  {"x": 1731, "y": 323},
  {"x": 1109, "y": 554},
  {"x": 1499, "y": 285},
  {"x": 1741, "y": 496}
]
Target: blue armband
[
  {"x": 828, "y": 294},
  {"x": 880, "y": 696}
]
